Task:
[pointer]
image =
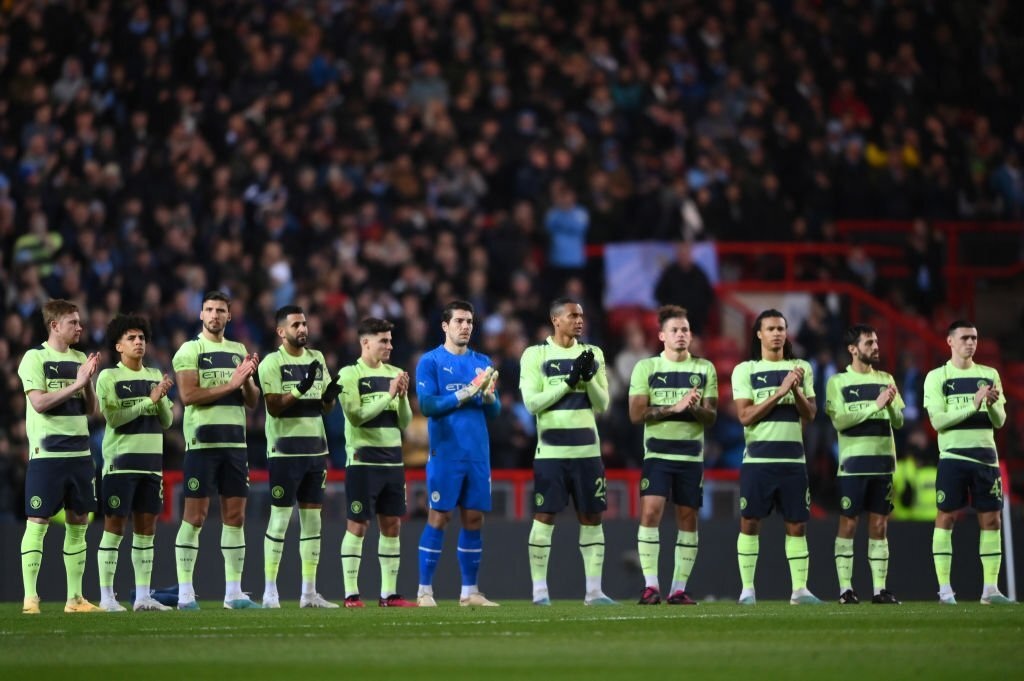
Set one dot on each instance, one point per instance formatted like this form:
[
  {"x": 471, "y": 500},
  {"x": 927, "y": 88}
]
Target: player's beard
[
  {"x": 211, "y": 328},
  {"x": 870, "y": 360},
  {"x": 297, "y": 341}
]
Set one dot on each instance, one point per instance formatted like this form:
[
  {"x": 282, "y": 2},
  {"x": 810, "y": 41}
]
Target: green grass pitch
[{"x": 519, "y": 641}]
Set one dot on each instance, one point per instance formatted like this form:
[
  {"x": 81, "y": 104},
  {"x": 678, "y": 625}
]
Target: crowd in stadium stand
[{"x": 378, "y": 158}]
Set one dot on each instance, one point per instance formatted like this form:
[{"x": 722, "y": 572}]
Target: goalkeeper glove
[
  {"x": 303, "y": 386},
  {"x": 331, "y": 392}
]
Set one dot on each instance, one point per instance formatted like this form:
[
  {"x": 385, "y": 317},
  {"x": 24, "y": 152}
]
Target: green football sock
[
  {"x": 942, "y": 554},
  {"x": 273, "y": 541},
  {"x": 32, "y": 555},
  {"x": 232, "y": 547},
  {"x": 799, "y": 561},
  {"x": 647, "y": 545},
  {"x": 540, "y": 550},
  {"x": 844, "y": 563},
  {"x": 74, "y": 558},
  {"x": 186, "y": 548},
  {"x": 592, "y": 548},
  {"x": 747, "y": 546},
  {"x": 686, "y": 555},
  {"x": 106, "y": 561},
  {"x": 142, "y": 563},
  {"x": 990, "y": 549},
  {"x": 309, "y": 547},
  {"x": 351, "y": 556},
  {"x": 389, "y": 553},
  {"x": 878, "y": 559}
]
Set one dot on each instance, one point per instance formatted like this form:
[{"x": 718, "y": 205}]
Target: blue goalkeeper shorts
[{"x": 466, "y": 484}]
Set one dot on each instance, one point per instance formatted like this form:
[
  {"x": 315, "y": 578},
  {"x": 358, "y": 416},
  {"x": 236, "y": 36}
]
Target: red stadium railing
[{"x": 993, "y": 241}]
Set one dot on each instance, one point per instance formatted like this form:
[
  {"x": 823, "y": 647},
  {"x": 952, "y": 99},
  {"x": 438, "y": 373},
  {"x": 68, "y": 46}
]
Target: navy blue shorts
[
  {"x": 224, "y": 470},
  {"x": 53, "y": 484},
  {"x": 297, "y": 478},
  {"x": 555, "y": 481},
  {"x": 681, "y": 482},
  {"x": 764, "y": 486},
  {"x": 126, "y": 493},
  {"x": 466, "y": 484},
  {"x": 376, "y": 490},
  {"x": 959, "y": 483},
  {"x": 859, "y": 493}
]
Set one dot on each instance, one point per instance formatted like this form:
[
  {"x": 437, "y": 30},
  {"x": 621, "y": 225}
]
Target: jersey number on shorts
[
  {"x": 601, "y": 487},
  {"x": 997, "y": 489}
]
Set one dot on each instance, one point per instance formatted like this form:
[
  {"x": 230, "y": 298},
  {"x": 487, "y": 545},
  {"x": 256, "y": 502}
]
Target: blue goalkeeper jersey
[{"x": 456, "y": 433}]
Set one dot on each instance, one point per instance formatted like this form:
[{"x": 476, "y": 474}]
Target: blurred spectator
[{"x": 685, "y": 284}]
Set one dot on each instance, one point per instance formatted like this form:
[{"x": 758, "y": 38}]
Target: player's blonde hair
[{"x": 55, "y": 309}]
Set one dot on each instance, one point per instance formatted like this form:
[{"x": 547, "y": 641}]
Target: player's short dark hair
[
  {"x": 667, "y": 312},
  {"x": 122, "y": 324},
  {"x": 371, "y": 326},
  {"x": 54, "y": 309},
  {"x": 448, "y": 312},
  {"x": 755, "y": 342},
  {"x": 853, "y": 334},
  {"x": 558, "y": 303},
  {"x": 281, "y": 316},
  {"x": 959, "y": 324},
  {"x": 216, "y": 295}
]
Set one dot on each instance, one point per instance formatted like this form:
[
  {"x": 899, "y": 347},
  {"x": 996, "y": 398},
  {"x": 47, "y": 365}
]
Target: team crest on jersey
[
  {"x": 357, "y": 507},
  {"x": 435, "y": 496},
  {"x": 644, "y": 483},
  {"x": 236, "y": 360},
  {"x": 694, "y": 380},
  {"x": 940, "y": 496},
  {"x": 847, "y": 503},
  {"x": 807, "y": 497},
  {"x": 35, "y": 502},
  {"x": 277, "y": 492},
  {"x": 743, "y": 503},
  {"x": 982, "y": 383},
  {"x": 193, "y": 484},
  {"x": 114, "y": 502},
  {"x": 538, "y": 499}
]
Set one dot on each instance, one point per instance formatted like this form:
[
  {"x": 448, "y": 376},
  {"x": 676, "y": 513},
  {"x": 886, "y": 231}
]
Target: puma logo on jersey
[
  {"x": 54, "y": 369},
  {"x": 448, "y": 369},
  {"x": 951, "y": 386},
  {"x": 127, "y": 387},
  {"x": 208, "y": 360},
  {"x": 762, "y": 379},
  {"x": 855, "y": 392},
  {"x": 553, "y": 366},
  {"x": 663, "y": 379},
  {"x": 365, "y": 384}
]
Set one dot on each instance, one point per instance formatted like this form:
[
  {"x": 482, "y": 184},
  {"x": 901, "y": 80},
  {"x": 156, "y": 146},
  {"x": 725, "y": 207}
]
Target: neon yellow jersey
[
  {"x": 778, "y": 437},
  {"x": 679, "y": 437}
]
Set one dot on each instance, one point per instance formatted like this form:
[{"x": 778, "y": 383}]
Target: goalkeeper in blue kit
[{"x": 456, "y": 390}]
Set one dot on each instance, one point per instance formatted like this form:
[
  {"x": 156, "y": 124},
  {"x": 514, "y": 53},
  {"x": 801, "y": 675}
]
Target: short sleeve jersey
[
  {"x": 63, "y": 431},
  {"x": 680, "y": 437},
  {"x": 220, "y": 424}
]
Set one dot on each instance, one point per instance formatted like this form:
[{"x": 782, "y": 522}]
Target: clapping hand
[
  {"x": 309, "y": 379},
  {"x": 590, "y": 367}
]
